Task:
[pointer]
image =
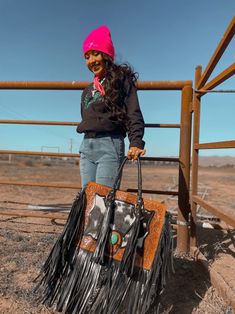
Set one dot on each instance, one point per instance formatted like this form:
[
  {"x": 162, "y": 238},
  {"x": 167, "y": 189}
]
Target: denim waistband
[{"x": 93, "y": 134}]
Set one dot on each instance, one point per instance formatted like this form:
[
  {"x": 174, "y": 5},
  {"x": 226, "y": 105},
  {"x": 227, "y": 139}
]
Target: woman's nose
[{"x": 91, "y": 60}]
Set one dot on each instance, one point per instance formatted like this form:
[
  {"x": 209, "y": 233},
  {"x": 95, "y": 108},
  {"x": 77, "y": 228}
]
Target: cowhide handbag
[{"x": 113, "y": 254}]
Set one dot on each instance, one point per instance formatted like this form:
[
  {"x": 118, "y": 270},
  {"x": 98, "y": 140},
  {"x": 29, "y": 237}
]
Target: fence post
[
  {"x": 195, "y": 154},
  {"x": 184, "y": 171}
]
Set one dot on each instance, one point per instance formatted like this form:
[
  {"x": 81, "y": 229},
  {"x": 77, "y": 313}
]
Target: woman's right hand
[{"x": 135, "y": 152}]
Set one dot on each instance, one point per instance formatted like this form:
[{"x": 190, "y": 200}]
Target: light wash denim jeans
[{"x": 100, "y": 158}]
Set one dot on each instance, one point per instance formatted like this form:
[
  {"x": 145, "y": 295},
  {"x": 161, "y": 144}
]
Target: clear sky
[{"x": 162, "y": 40}]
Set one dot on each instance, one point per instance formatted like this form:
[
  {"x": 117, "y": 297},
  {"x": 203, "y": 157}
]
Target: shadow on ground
[{"x": 185, "y": 288}]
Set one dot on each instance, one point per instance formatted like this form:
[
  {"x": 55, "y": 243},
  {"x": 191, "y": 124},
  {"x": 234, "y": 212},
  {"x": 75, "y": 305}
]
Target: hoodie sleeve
[{"x": 135, "y": 120}]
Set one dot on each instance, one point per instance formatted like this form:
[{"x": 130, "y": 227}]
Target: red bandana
[{"x": 98, "y": 85}]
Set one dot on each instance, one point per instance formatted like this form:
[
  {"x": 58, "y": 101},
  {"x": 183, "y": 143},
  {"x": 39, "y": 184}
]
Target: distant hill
[{"x": 216, "y": 161}]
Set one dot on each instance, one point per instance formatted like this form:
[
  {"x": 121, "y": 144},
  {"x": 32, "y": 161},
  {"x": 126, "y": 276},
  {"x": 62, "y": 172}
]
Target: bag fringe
[
  {"x": 105, "y": 231},
  {"x": 127, "y": 263},
  {"x": 75, "y": 283},
  {"x": 59, "y": 260}
]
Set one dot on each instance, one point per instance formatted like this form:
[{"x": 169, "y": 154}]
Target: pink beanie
[{"x": 99, "y": 39}]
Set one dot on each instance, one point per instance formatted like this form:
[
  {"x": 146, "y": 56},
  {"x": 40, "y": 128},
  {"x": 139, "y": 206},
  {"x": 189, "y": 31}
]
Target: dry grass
[{"x": 25, "y": 242}]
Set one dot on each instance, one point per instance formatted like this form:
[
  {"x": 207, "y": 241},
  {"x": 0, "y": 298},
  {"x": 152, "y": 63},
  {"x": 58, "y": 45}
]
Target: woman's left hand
[{"x": 135, "y": 152}]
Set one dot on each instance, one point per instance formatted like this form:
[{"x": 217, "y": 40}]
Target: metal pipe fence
[
  {"x": 190, "y": 102},
  {"x": 201, "y": 88},
  {"x": 184, "y": 145}
]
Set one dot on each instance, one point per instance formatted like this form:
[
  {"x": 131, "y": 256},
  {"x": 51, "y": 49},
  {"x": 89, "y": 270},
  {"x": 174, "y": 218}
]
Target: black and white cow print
[{"x": 124, "y": 218}]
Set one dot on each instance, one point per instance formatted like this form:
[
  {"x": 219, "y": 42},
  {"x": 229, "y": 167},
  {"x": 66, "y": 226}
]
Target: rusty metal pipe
[
  {"x": 42, "y": 184},
  {"x": 75, "y": 85},
  {"x": 226, "y": 214},
  {"x": 35, "y": 214},
  {"x": 77, "y": 187},
  {"x": 219, "y": 79},
  {"x": 215, "y": 145},
  {"x": 27, "y": 153},
  {"x": 184, "y": 171},
  {"x": 203, "y": 91},
  {"x": 162, "y": 125},
  {"x": 17, "y": 152},
  {"x": 64, "y": 123},
  {"x": 228, "y": 35},
  {"x": 195, "y": 155},
  {"x": 162, "y": 85}
]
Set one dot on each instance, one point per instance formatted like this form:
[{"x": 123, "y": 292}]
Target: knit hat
[{"x": 99, "y": 39}]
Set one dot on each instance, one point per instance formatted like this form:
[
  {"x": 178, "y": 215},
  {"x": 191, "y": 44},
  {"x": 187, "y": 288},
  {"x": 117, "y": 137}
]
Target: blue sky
[{"x": 162, "y": 40}]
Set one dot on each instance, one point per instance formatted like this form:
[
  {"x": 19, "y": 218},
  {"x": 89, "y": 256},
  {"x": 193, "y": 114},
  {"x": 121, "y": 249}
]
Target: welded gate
[
  {"x": 183, "y": 159},
  {"x": 202, "y": 86},
  {"x": 190, "y": 102}
]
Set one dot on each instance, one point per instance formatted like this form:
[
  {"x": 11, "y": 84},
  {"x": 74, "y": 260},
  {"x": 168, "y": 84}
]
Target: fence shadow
[{"x": 185, "y": 288}]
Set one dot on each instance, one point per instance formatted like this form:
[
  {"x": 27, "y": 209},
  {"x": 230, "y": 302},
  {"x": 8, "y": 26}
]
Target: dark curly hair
[{"x": 119, "y": 80}]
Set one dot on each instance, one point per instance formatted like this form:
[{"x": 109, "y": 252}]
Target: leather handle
[{"x": 118, "y": 177}]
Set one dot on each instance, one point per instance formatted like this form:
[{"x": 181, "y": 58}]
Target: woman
[
  {"x": 109, "y": 110},
  {"x": 71, "y": 278}
]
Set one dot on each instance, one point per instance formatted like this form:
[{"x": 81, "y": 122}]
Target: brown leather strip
[{"x": 156, "y": 225}]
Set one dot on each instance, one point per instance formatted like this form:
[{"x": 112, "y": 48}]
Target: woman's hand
[{"x": 135, "y": 152}]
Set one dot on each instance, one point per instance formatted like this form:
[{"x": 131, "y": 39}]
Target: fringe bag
[{"x": 113, "y": 255}]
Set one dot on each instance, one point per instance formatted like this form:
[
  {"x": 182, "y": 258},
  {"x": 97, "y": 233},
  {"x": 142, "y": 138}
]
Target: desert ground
[{"x": 26, "y": 241}]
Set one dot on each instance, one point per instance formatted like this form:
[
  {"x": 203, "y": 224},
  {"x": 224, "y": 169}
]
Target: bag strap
[
  {"x": 127, "y": 265},
  {"x": 118, "y": 178},
  {"x": 128, "y": 261}
]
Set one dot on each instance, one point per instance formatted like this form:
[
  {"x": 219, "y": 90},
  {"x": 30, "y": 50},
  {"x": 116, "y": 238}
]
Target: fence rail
[
  {"x": 215, "y": 145},
  {"x": 78, "y": 85},
  {"x": 64, "y": 123},
  {"x": 225, "y": 214},
  {"x": 190, "y": 102},
  {"x": 201, "y": 88},
  {"x": 184, "y": 146},
  {"x": 228, "y": 35}
]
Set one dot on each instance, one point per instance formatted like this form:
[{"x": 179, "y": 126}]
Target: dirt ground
[{"x": 26, "y": 242}]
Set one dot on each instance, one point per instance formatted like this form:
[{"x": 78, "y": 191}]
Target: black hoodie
[{"x": 96, "y": 116}]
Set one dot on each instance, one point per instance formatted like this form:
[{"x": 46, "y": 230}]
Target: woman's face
[{"x": 95, "y": 62}]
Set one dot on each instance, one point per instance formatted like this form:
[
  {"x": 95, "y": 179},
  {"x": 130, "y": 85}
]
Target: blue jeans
[{"x": 100, "y": 158}]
